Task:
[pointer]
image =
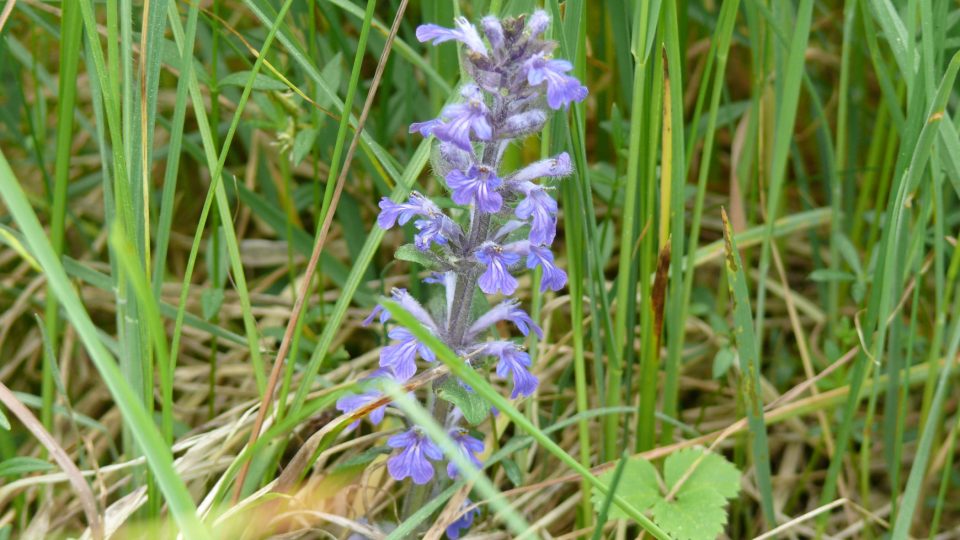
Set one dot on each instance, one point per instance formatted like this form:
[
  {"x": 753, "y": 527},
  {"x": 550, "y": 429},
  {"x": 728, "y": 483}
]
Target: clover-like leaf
[{"x": 638, "y": 484}]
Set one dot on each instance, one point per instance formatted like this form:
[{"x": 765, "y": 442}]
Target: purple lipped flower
[
  {"x": 415, "y": 308},
  {"x": 524, "y": 323},
  {"x": 459, "y": 119},
  {"x": 506, "y": 229},
  {"x": 349, "y": 403},
  {"x": 426, "y": 127},
  {"x": 493, "y": 30},
  {"x": 538, "y": 23},
  {"x": 435, "y": 278},
  {"x": 557, "y": 166},
  {"x": 401, "y": 357},
  {"x": 508, "y": 310},
  {"x": 497, "y": 275},
  {"x": 413, "y": 460},
  {"x": 562, "y": 89},
  {"x": 468, "y": 446},
  {"x": 455, "y": 529},
  {"x": 520, "y": 124},
  {"x": 464, "y": 32},
  {"x": 392, "y": 213},
  {"x": 478, "y": 185},
  {"x": 454, "y": 157},
  {"x": 436, "y": 229},
  {"x": 541, "y": 209},
  {"x": 554, "y": 278},
  {"x": 513, "y": 363},
  {"x": 377, "y": 310}
]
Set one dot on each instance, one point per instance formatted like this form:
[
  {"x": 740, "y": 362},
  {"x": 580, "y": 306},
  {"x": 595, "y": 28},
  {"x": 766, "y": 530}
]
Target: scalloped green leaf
[
  {"x": 697, "y": 511},
  {"x": 639, "y": 485},
  {"x": 712, "y": 472},
  {"x": 695, "y": 514}
]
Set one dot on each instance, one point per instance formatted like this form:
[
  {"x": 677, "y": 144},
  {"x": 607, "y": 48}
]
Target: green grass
[{"x": 165, "y": 168}]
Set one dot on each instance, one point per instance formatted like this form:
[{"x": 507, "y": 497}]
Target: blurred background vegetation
[{"x": 167, "y": 165}]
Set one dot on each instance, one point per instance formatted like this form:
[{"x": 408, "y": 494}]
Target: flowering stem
[{"x": 467, "y": 281}]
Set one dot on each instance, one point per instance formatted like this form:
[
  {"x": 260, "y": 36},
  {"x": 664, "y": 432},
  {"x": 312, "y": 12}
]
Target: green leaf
[
  {"x": 23, "y": 465},
  {"x": 694, "y": 515},
  {"x": 512, "y": 471},
  {"x": 302, "y": 144},
  {"x": 260, "y": 82},
  {"x": 713, "y": 471},
  {"x": 363, "y": 458},
  {"x": 858, "y": 291},
  {"x": 4, "y": 422},
  {"x": 210, "y": 302},
  {"x": 475, "y": 408},
  {"x": 825, "y": 274},
  {"x": 331, "y": 74},
  {"x": 697, "y": 511},
  {"x": 849, "y": 253},
  {"x": 410, "y": 253},
  {"x": 639, "y": 485},
  {"x": 722, "y": 362}
]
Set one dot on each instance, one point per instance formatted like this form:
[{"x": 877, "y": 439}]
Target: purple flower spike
[
  {"x": 468, "y": 446},
  {"x": 562, "y": 89},
  {"x": 392, "y": 213},
  {"x": 412, "y": 460},
  {"x": 478, "y": 185},
  {"x": 541, "y": 209},
  {"x": 455, "y": 529},
  {"x": 464, "y": 32},
  {"x": 553, "y": 278},
  {"x": 513, "y": 363},
  {"x": 497, "y": 275},
  {"x": 402, "y": 357}
]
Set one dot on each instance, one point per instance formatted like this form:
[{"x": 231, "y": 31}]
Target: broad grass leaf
[
  {"x": 260, "y": 82},
  {"x": 23, "y": 465}
]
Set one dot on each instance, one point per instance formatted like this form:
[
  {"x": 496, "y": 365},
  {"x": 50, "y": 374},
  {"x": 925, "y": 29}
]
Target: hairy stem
[{"x": 467, "y": 280}]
